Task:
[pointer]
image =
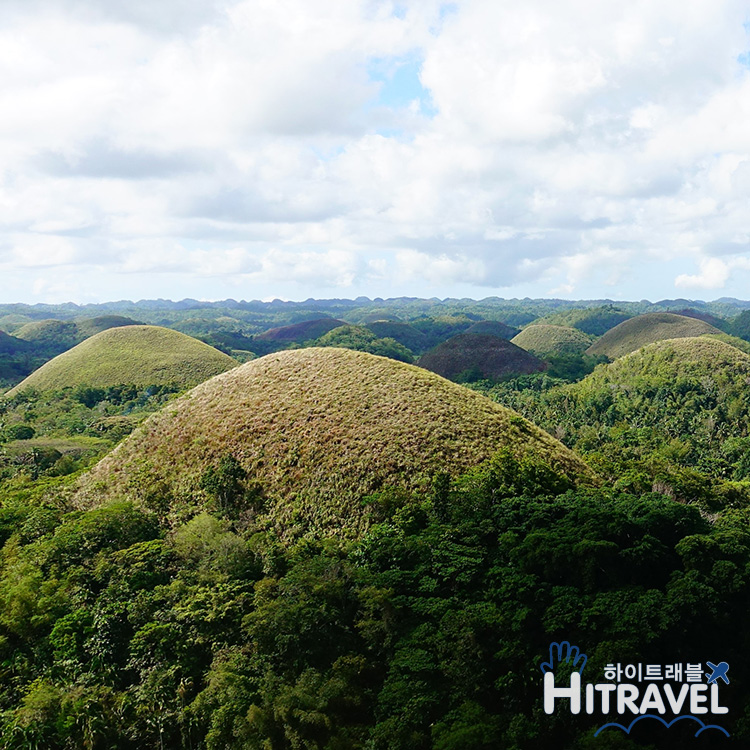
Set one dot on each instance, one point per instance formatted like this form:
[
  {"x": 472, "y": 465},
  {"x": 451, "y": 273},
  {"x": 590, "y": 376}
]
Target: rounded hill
[
  {"x": 134, "y": 355},
  {"x": 545, "y": 340},
  {"x": 472, "y": 356},
  {"x": 297, "y": 333},
  {"x": 646, "y": 329},
  {"x": 493, "y": 328},
  {"x": 318, "y": 429},
  {"x": 666, "y": 363}
]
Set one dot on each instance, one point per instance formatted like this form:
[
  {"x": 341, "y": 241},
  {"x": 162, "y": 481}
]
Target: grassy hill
[
  {"x": 664, "y": 363},
  {"x": 298, "y": 333},
  {"x": 59, "y": 335},
  {"x": 137, "y": 355},
  {"x": 543, "y": 340},
  {"x": 12, "y": 345},
  {"x": 472, "y": 356},
  {"x": 492, "y": 328},
  {"x": 406, "y": 334},
  {"x": 317, "y": 429},
  {"x": 595, "y": 321},
  {"x": 645, "y": 329}
]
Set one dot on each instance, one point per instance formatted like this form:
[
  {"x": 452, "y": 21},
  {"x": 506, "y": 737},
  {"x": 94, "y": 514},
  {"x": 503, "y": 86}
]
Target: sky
[{"x": 261, "y": 149}]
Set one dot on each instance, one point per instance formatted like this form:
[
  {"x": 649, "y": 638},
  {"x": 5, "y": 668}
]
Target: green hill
[
  {"x": 645, "y": 329},
  {"x": 133, "y": 355},
  {"x": 595, "y": 321},
  {"x": 405, "y": 333},
  {"x": 493, "y": 328},
  {"x": 61, "y": 334},
  {"x": 12, "y": 345},
  {"x": 91, "y": 326},
  {"x": 665, "y": 363},
  {"x": 472, "y": 356},
  {"x": 57, "y": 336},
  {"x": 317, "y": 429},
  {"x": 544, "y": 340}
]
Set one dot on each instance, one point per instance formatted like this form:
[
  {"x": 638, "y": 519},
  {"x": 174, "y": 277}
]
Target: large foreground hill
[{"x": 318, "y": 429}]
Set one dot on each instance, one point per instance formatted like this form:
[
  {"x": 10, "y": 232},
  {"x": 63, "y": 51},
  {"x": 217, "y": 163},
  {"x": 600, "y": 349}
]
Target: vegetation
[
  {"x": 673, "y": 416},
  {"x": 134, "y": 355},
  {"x": 329, "y": 550},
  {"x": 470, "y": 356},
  {"x": 492, "y": 328},
  {"x": 424, "y": 632},
  {"x": 646, "y": 329},
  {"x": 362, "y": 339},
  {"x": 545, "y": 340},
  {"x": 595, "y": 321},
  {"x": 318, "y": 429},
  {"x": 404, "y": 333}
]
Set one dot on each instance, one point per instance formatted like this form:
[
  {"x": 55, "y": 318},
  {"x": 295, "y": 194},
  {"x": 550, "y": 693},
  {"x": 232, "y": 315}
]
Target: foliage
[{"x": 425, "y": 631}]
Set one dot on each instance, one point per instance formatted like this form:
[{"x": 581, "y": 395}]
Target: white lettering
[
  {"x": 652, "y": 699},
  {"x": 573, "y": 692},
  {"x": 696, "y": 699},
  {"x": 676, "y": 703},
  {"x": 626, "y": 695}
]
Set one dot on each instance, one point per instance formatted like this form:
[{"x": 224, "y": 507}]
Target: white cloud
[
  {"x": 570, "y": 146},
  {"x": 713, "y": 274}
]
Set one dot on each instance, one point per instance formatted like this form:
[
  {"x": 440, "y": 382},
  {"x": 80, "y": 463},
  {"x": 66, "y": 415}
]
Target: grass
[
  {"x": 493, "y": 328},
  {"x": 646, "y": 329},
  {"x": 300, "y": 332},
  {"x": 485, "y": 356},
  {"x": 137, "y": 355},
  {"x": 595, "y": 321},
  {"x": 544, "y": 340},
  {"x": 666, "y": 362},
  {"x": 318, "y": 429},
  {"x": 405, "y": 333},
  {"x": 11, "y": 344}
]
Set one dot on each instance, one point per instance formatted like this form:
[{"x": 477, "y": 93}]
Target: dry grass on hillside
[
  {"x": 646, "y": 329},
  {"x": 544, "y": 340},
  {"x": 318, "y": 429},
  {"x": 137, "y": 355},
  {"x": 487, "y": 356}
]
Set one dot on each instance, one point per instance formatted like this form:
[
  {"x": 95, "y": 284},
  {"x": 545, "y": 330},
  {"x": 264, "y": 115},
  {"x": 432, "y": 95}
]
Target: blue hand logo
[
  {"x": 719, "y": 672},
  {"x": 563, "y": 651}
]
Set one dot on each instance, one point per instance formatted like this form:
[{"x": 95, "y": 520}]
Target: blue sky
[{"x": 313, "y": 148}]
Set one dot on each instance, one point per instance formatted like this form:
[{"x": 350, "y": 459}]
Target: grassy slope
[
  {"x": 138, "y": 355},
  {"x": 543, "y": 340},
  {"x": 493, "y": 328},
  {"x": 491, "y": 356},
  {"x": 326, "y": 426},
  {"x": 646, "y": 329},
  {"x": 665, "y": 362},
  {"x": 595, "y": 321},
  {"x": 404, "y": 333},
  {"x": 300, "y": 332},
  {"x": 11, "y": 344}
]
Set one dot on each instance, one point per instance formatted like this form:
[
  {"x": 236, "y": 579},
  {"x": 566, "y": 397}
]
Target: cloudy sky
[{"x": 310, "y": 148}]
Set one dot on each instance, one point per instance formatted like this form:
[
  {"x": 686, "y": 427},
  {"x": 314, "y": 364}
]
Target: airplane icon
[{"x": 719, "y": 671}]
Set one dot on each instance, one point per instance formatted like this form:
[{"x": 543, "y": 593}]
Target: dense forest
[{"x": 207, "y": 606}]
